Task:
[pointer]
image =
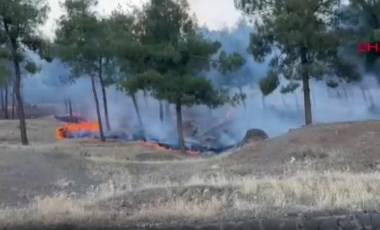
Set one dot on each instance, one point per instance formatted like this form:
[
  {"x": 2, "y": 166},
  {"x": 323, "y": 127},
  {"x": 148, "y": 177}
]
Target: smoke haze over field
[{"x": 281, "y": 112}]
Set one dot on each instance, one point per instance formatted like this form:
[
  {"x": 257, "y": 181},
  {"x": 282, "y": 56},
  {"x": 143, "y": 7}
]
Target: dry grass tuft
[
  {"x": 180, "y": 209},
  {"x": 50, "y": 210},
  {"x": 314, "y": 191},
  {"x": 201, "y": 197},
  {"x": 304, "y": 192}
]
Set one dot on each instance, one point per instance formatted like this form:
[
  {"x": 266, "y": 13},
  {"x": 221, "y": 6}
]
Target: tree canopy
[
  {"x": 81, "y": 42},
  {"x": 19, "y": 20},
  {"x": 302, "y": 40},
  {"x": 170, "y": 55}
]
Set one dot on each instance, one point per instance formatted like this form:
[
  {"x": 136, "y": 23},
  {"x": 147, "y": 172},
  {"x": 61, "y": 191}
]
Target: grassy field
[{"x": 318, "y": 171}]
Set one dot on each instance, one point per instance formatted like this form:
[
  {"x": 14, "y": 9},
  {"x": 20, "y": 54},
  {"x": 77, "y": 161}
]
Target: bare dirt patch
[{"x": 326, "y": 168}]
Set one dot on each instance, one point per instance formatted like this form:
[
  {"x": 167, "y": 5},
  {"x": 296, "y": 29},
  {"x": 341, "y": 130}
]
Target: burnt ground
[{"x": 315, "y": 171}]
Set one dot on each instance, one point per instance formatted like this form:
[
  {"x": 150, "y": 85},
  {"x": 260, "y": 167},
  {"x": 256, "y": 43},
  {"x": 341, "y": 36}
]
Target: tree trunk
[
  {"x": 243, "y": 100},
  {"x": 70, "y": 108},
  {"x": 19, "y": 104},
  {"x": 13, "y": 101},
  {"x": 161, "y": 111},
  {"x": 141, "y": 125},
  {"x": 314, "y": 104},
  {"x": 370, "y": 98},
  {"x": 345, "y": 93},
  {"x": 104, "y": 94},
  {"x": 263, "y": 102},
  {"x": 146, "y": 98},
  {"x": 306, "y": 90},
  {"x": 101, "y": 133},
  {"x": 364, "y": 94},
  {"x": 181, "y": 139},
  {"x": 2, "y": 99},
  {"x": 167, "y": 112},
  {"x": 66, "y": 106},
  {"x": 338, "y": 95},
  {"x": 6, "y": 93}
]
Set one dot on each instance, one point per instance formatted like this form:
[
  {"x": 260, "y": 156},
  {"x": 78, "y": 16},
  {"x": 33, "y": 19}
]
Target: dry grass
[
  {"x": 198, "y": 197},
  {"x": 304, "y": 192},
  {"x": 180, "y": 209}
]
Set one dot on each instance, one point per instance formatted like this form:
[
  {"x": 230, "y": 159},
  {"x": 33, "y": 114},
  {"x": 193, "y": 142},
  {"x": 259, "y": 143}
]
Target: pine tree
[
  {"x": 81, "y": 45},
  {"x": 302, "y": 39},
  {"x": 18, "y": 22},
  {"x": 170, "y": 57}
]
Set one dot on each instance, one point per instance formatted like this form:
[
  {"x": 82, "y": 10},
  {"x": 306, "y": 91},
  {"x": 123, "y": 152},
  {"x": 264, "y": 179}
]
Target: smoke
[
  {"x": 275, "y": 114},
  {"x": 278, "y": 113}
]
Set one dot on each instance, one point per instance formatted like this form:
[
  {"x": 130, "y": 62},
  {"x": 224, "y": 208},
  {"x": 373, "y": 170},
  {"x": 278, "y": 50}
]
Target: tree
[
  {"x": 106, "y": 65},
  {"x": 303, "y": 38},
  {"x": 228, "y": 64},
  {"x": 5, "y": 79},
  {"x": 172, "y": 56},
  {"x": 122, "y": 30},
  {"x": 79, "y": 43},
  {"x": 18, "y": 22}
]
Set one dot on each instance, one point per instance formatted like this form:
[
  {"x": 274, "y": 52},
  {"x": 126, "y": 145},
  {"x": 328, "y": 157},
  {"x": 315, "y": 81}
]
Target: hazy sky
[{"x": 215, "y": 14}]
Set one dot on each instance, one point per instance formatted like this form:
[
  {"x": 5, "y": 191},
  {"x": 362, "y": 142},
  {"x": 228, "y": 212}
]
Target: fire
[
  {"x": 89, "y": 126},
  {"x": 83, "y": 126},
  {"x": 153, "y": 145},
  {"x": 161, "y": 148}
]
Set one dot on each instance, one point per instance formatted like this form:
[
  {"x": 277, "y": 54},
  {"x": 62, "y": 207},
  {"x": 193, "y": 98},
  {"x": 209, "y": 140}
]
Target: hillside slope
[{"x": 308, "y": 170}]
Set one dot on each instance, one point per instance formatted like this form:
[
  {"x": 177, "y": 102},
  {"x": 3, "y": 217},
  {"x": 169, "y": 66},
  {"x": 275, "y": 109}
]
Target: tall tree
[
  {"x": 122, "y": 30},
  {"x": 13, "y": 98},
  {"x": 172, "y": 58},
  {"x": 4, "y": 85},
  {"x": 106, "y": 65},
  {"x": 103, "y": 86},
  {"x": 302, "y": 38},
  {"x": 18, "y": 22},
  {"x": 79, "y": 44},
  {"x": 5, "y": 79},
  {"x": 227, "y": 65}
]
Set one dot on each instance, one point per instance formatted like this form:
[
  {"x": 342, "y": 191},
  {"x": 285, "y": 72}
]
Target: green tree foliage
[
  {"x": 170, "y": 58},
  {"x": 123, "y": 31},
  {"x": 290, "y": 87},
  {"x": 81, "y": 42},
  {"x": 227, "y": 64},
  {"x": 307, "y": 36},
  {"x": 230, "y": 63},
  {"x": 269, "y": 84},
  {"x": 18, "y": 22}
]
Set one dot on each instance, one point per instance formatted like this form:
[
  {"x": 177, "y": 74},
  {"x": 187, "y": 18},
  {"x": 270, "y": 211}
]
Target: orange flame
[
  {"x": 89, "y": 126},
  {"x": 86, "y": 126},
  {"x": 82, "y": 126},
  {"x": 158, "y": 147}
]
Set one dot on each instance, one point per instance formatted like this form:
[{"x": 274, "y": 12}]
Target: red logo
[{"x": 367, "y": 47}]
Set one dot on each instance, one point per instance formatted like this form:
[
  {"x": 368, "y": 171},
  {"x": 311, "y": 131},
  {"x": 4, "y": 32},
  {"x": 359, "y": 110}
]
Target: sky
[{"x": 215, "y": 14}]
